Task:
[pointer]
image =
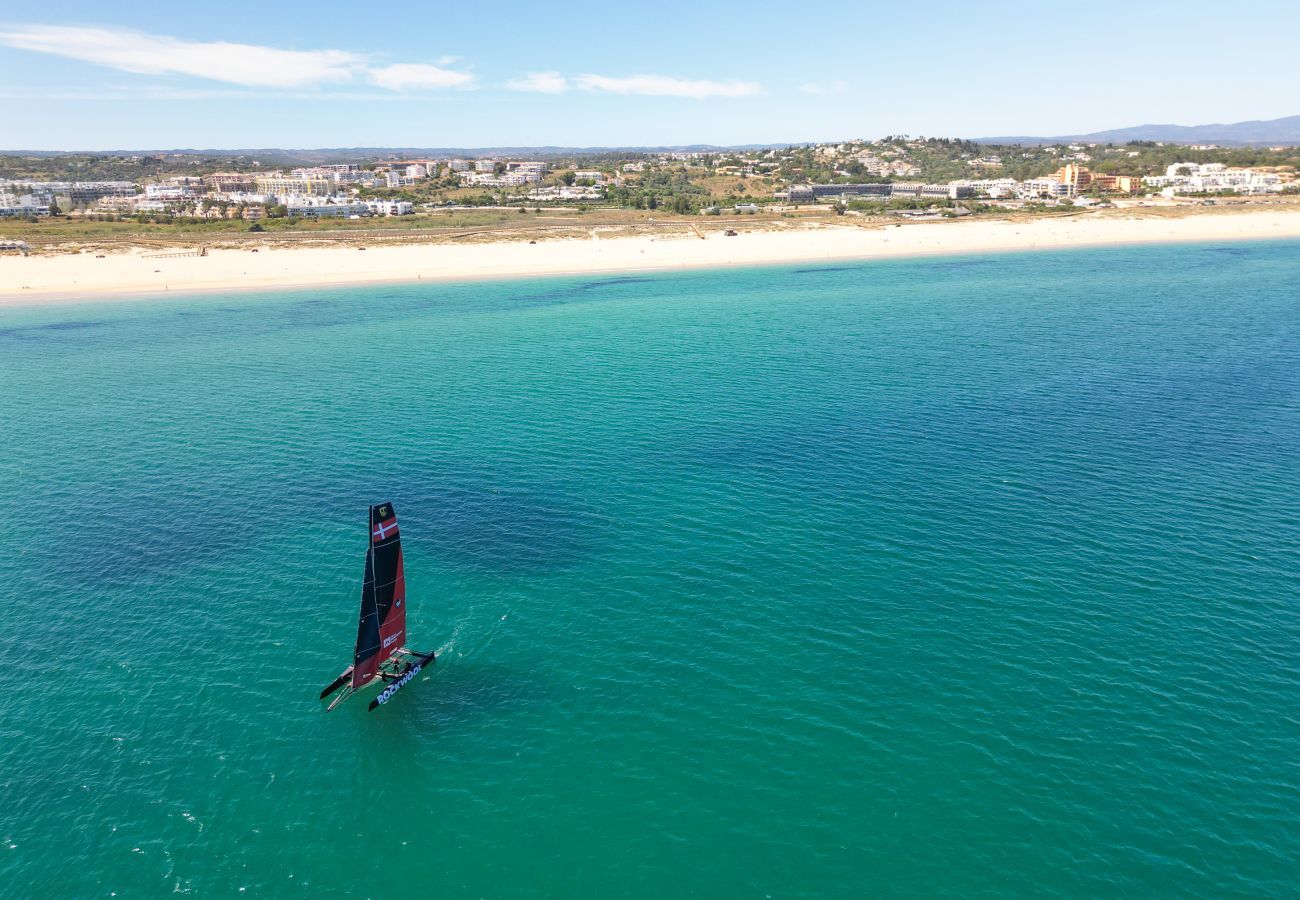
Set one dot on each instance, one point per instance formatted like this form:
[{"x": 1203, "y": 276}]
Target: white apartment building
[
  {"x": 167, "y": 192},
  {"x": 1045, "y": 188},
  {"x": 25, "y": 205},
  {"x": 1195, "y": 178},
  {"x": 245, "y": 197},
  {"x": 343, "y": 173},
  {"x": 398, "y": 179},
  {"x": 509, "y": 179},
  {"x": 325, "y": 208},
  {"x": 390, "y": 207},
  {"x": 339, "y": 207},
  {"x": 991, "y": 187},
  {"x": 76, "y": 191}
]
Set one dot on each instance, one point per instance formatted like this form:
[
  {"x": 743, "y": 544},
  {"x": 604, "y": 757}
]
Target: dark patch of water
[{"x": 50, "y": 330}]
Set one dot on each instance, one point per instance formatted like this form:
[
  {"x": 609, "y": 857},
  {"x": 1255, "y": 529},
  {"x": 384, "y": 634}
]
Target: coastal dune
[{"x": 86, "y": 275}]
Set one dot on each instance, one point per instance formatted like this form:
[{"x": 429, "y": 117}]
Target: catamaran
[{"x": 381, "y": 650}]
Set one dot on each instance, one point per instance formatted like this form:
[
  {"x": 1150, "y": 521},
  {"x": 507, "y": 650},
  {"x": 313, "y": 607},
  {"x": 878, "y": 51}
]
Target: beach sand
[{"x": 42, "y": 278}]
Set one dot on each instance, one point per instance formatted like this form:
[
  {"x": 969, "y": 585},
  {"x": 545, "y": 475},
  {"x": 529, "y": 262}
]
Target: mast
[{"x": 381, "y": 627}]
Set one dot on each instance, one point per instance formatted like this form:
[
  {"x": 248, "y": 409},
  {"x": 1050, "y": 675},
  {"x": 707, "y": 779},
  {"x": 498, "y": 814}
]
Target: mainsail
[
  {"x": 381, "y": 650},
  {"x": 381, "y": 630}
]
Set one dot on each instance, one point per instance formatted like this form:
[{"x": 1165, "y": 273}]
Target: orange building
[
  {"x": 1077, "y": 177},
  {"x": 1080, "y": 179},
  {"x": 1117, "y": 184}
]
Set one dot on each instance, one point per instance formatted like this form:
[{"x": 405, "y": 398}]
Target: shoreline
[{"x": 139, "y": 274}]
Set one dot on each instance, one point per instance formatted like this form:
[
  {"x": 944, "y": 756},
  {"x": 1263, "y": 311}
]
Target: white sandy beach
[{"x": 82, "y": 276}]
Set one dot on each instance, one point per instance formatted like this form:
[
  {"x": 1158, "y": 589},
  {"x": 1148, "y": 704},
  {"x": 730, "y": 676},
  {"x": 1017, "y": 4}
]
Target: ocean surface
[{"x": 969, "y": 576}]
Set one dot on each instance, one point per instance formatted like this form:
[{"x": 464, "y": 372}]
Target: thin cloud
[
  {"x": 248, "y": 65},
  {"x": 418, "y": 76},
  {"x": 540, "y": 83},
  {"x": 149, "y": 54},
  {"x": 667, "y": 86}
]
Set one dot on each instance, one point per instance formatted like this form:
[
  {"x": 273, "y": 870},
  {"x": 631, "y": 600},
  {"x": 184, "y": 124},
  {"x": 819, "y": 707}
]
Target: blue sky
[{"x": 324, "y": 74}]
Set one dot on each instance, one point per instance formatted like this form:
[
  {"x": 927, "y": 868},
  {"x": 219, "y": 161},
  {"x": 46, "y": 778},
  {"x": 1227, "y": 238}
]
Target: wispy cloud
[
  {"x": 259, "y": 67},
  {"x": 151, "y": 54},
  {"x": 248, "y": 65},
  {"x": 540, "y": 83},
  {"x": 643, "y": 85},
  {"x": 667, "y": 86},
  {"x": 418, "y": 76}
]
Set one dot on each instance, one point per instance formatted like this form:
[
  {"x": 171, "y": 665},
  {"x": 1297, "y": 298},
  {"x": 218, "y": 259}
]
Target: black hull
[
  {"x": 386, "y": 694},
  {"x": 337, "y": 683}
]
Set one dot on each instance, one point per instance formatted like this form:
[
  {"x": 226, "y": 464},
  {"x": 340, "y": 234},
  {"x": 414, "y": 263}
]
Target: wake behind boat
[{"x": 381, "y": 650}]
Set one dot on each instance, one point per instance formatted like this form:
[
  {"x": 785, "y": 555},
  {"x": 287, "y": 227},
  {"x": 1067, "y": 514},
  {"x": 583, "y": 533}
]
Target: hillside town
[{"x": 895, "y": 171}]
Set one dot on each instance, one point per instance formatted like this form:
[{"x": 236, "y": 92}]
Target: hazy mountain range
[
  {"x": 1271, "y": 131},
  {"x": 347, "y": 154},
  {"x": 1267, "y": 132}
]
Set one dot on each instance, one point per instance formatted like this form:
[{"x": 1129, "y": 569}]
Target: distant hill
[{"x": 1272, "y": 131}]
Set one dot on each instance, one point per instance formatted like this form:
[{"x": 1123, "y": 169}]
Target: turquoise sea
[{"x": 969, "y": 576}]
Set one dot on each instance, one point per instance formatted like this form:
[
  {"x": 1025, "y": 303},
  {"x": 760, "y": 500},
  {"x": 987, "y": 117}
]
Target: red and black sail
[{"x": 381, "y": 630}]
